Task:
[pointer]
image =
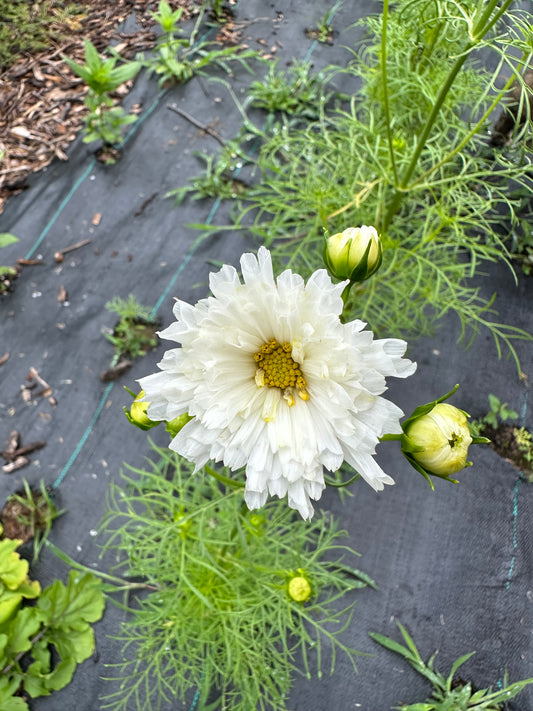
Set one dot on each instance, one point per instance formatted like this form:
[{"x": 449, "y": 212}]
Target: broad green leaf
[
  {"x": 7, "y": 238},
  {"x": 61, "y": 675},
  {"x": 15, "y": 703},
  {"x": 419, "y": 707},
  {"x": 24, "y": 626},
  {"x": 8, "y": 686},
  {"x": 124, "y": 73},
  {"x": 9, "y": 602},
  {"x": 81, "y": 600},
  {"x": 77, "y": 644},
  {"x": 13, "y": 569},
  {"x": 35, "y": 681},
  {"x": 41, "y": 680},
  {"x": 42, "y": 654}
]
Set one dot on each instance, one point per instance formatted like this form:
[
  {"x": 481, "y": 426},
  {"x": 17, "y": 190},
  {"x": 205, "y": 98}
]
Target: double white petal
[{"x": 212, "y": 377}]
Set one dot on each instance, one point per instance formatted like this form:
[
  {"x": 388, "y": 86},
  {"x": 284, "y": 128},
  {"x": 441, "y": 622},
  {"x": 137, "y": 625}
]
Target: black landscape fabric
[{"x": 454, "y": 565}]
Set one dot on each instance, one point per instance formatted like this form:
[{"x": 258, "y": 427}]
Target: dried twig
[
  {"x": 113, "y": 373},
  {"x": 58, "y": 256},
  {"x": 206, "y": 128}
]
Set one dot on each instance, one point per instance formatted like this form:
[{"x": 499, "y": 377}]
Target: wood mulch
[{"x": 41, "y": 99}]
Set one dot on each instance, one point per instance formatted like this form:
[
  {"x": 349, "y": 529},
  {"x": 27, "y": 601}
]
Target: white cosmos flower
[{"x": 276, "y": 383}]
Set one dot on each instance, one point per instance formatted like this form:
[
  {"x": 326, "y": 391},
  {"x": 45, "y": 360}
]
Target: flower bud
[
  {"x": 299, "y": 587},
  {"x": 436, "y": 438},
  {"x": 137, "y": 413},
  {"x": 354, "y": 254},
  {"x": 443, "y": 437},
  {"x": 177, "y": 424}
]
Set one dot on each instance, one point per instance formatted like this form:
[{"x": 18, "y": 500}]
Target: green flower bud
[
  {"x": 178, "y": 423},
  {"x": 354, "y": 254},
  {"x": 443, "y": 437},
  {"x": 299, "y": 588},
  {"x": 436, "y": 438},
  {"x": 137, "y": 413}
]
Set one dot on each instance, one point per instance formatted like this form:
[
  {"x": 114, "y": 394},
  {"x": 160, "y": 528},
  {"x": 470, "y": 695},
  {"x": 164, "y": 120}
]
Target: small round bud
[
  {"x": 299, "y": 588},
  {"x": 354, "y": 254},
  {"x": 443, "y": 437}
]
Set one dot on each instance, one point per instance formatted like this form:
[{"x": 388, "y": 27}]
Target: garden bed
[{"x": 454, "y": 565}]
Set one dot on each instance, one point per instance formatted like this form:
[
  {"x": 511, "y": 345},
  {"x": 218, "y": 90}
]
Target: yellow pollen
[{"x": 277, "y": 369}]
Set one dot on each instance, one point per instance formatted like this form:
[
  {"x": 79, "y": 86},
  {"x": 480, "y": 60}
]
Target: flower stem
[
  {"x": 386, "y": 88},
  {"x": 484, "y": 24},
  {"x": 223, "y": 479},
  {"x": 119, "y": 582},
  {"x": 390, "y": 438}
]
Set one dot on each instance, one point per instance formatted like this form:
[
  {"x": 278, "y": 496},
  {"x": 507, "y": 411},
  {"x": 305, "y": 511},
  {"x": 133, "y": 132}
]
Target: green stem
[
  {"x": 401, "y": 188},
  {"x": 341, "y": 484},
  {"x": 223, "y": 479},
  {"x": 344, "y": 296},
  {"x": 386, "y": 88},
  {"x": 478, "y": 33},
  {"x": 470, "y": 134},
  {"x": 391, "y": 438},
  {"x": 121, "y": 584}
]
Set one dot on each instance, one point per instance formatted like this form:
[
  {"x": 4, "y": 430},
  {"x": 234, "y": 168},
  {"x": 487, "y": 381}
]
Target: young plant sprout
[{"x": 449, "y": 693}]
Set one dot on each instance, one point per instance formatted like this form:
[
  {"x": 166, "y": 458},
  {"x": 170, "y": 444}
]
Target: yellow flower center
[{"x": 277, "y": 369}]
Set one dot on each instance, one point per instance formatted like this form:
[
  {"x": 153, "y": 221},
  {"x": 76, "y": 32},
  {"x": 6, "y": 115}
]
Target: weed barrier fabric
[{"x": 455, "y": 566}]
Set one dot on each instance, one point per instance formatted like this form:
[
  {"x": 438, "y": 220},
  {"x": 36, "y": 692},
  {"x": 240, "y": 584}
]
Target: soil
[
  {"x": 21, "y": 521},
  {"x": 503, "y": 440},
  {"x": 41, "y": 99}
]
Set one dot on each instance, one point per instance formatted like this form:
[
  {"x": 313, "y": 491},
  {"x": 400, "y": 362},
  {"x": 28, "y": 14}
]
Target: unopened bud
[
  {"x": 444, "y": 437},
  {"x": 354, "y": 254},
  {"x": 177, "y": 424},
  {"x": 299, "y": 587},
  {"x": 436, "y": 438},
  {"x": 137, "y": 413}
]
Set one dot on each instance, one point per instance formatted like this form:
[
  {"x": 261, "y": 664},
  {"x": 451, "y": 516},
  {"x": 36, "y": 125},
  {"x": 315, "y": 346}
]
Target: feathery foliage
[
  {"x": 221, "y": 617},
  {"x": 410, "y": 155}
]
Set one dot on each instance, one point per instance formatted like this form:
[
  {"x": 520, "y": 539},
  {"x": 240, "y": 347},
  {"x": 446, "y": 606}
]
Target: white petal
[{"x": 283, "y": 441}]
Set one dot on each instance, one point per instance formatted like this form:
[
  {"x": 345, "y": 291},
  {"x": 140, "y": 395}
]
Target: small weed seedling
[
  {"x": 218, "y": 10},
  {"x": 296, "y": 92},
  {"x": 515, "y": 444},
  {"x": 524, "y": 441},
  {"x": 7, "y": 274},
  {"x": 134, "y": 333},
  {"x": 498, "y": 413},
  {"x": 323, "y": 32},
  {"x": 105, "y": 120},
  {"x": 448, "y": 694},
  {"x": 177, "y": 59},
  {"x": 29, "y": 515},
  {"x": 216, "y": 180}
]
